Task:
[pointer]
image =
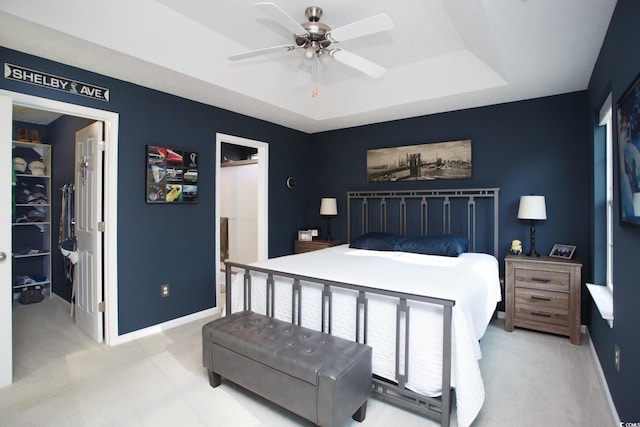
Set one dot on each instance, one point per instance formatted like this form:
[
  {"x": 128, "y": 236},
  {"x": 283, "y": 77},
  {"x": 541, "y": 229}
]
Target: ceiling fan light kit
[{"x": 315, "y": 38}]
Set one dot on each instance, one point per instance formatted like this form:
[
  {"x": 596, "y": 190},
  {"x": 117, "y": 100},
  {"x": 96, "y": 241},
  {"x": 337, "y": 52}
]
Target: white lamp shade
[
  {"x": 532, "y": 207},
  {"x": 328, "y": 206}
]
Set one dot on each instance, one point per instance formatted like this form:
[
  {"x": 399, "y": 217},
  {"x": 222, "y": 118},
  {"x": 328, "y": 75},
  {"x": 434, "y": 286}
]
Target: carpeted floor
[{"x": 63, "y": 378}]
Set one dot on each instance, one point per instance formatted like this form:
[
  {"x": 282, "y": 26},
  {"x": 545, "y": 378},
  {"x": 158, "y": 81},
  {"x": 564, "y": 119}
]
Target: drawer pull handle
[
  {"x": 540, "y": 313},
  {"x": 536, "y": 279},
  {"x": 539, "y": 298}
]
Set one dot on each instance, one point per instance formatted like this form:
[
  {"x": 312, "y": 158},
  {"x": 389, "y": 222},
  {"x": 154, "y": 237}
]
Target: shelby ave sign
[{"x": 38, "y": 78}]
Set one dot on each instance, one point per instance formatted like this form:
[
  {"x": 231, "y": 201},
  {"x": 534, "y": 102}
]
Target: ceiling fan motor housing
[{"x": 316, "y": 38}]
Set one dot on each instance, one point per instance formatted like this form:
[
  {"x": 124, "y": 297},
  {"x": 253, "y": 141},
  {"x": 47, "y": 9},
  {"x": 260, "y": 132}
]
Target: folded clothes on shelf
[
  {"x": 21, "y": 218},
  {"x": 29, "y": 280},
  {"x": 36, "y": 215},
  {"x": 26, "y": 251},
  {"x": 30, "y": 194},
  {"x": 23, "y": 280},
  {"x": 23, "y": 191}
]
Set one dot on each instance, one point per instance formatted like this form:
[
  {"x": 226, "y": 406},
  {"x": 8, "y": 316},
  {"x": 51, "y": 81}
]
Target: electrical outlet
[
  {"x": 617, "y": 358},
  {"x": 164, "y": 290}
]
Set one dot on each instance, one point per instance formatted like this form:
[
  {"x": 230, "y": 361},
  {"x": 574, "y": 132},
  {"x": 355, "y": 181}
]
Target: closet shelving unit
[{"x": 31, "y": 245}]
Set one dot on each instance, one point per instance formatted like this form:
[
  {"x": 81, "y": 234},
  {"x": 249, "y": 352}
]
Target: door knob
[{"x": 3, "y": 256}]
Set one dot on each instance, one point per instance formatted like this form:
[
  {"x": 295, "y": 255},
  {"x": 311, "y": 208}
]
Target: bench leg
[
  {"x": 361, "y": 413},
  {"x": 214, "y": 379}
]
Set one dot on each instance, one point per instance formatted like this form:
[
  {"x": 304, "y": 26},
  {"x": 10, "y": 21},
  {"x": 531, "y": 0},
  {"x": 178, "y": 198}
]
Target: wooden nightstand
[
  {"x": 313, "y": 245},
  {"x": 543, "y": 294}
]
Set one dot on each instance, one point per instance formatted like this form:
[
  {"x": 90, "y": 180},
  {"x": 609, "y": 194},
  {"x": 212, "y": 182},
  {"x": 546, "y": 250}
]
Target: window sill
[{"x": 603, "y": 297}]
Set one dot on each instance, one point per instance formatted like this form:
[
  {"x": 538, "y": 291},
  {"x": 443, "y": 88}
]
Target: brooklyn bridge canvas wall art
[{"x": 440, "y": 160}]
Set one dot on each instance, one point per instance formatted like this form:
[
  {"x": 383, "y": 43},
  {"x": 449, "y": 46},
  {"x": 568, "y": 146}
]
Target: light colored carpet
[{"x": 63, "y": 378}]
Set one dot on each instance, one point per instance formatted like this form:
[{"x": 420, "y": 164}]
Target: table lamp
[
  {"x": 328, "y": 208},
  {"x": 534, "y": 209}
]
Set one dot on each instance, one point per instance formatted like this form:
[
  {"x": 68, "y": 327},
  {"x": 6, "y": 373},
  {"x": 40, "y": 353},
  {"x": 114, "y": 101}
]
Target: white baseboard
[
  {"x": 600, "y": 373},
  {"x": 60, "y": 300},
  {"x": 151, "y": 329},
  {"x": 141, "y": 333}
]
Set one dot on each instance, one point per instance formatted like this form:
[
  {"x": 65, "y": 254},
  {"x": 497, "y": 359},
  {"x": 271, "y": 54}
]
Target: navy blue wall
[
  {"x": 617, "y": 66},
  {"x": 537, "y": 146},
  {"x": 174, "y": 243}
]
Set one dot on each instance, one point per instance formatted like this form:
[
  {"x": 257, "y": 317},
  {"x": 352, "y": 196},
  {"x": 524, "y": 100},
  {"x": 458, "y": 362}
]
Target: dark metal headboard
[{"x": 465, "y": 212}]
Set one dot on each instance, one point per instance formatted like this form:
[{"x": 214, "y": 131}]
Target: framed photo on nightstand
[
  {"x": 562, "y": 251},
  {"x": 305, "y": 235}
]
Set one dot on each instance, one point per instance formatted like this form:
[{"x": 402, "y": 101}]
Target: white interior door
[
  {"x": 88, "y": 215},
  {"x": 6, "y": 295},
  {"x": 239, "y": 203}
]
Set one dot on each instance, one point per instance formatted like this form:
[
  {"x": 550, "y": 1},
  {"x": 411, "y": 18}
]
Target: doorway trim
[
  {"x": 110, "y": 208},
  {"x": 263, "y": 197}
]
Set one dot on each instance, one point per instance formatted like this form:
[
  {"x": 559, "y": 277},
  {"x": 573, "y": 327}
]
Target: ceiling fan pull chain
[{"x": 314, "y": 76}]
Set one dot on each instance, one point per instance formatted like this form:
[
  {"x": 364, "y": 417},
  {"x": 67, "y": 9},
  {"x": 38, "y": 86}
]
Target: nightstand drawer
[
  {"x": 542, "y": 279},
  {"x": 542, "y": 300},
  {"x": 530, "y": 316}
]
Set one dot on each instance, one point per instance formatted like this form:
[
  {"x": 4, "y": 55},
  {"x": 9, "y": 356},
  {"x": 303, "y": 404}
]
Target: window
[
  {"x": 603, "y": 213},
  {"x": 606, "y": 120}
]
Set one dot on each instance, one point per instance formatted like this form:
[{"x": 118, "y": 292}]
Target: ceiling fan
[{"x": 317, "y": 38}]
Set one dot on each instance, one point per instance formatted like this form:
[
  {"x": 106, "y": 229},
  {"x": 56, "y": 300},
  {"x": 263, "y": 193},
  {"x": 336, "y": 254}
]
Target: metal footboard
[{"x": 393, "y": 391}]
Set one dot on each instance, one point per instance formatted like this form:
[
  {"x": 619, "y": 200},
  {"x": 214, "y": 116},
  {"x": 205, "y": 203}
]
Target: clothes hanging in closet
[{"x": 66, "y": 236}]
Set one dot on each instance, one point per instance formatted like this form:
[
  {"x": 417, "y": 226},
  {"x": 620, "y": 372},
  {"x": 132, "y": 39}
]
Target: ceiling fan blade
[
  {"x": 258, "y": 52},
  {"x": 357, "y": 62},
  {"x": 279, "y": 15},
  {"x": 364, "y": 27}
]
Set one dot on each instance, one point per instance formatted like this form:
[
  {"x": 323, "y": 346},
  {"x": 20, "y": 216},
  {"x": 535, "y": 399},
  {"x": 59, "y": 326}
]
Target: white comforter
[{"x": 470, "y": 279}]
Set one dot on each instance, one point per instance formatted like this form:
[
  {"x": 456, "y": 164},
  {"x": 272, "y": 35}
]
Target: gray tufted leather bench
[{"x": 322, "y": 378}]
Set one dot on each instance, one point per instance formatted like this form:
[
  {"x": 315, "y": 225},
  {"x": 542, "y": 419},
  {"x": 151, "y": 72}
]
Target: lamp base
[
  {"x": 532, "y": 251},
  {"x": 329, "y": 238}
]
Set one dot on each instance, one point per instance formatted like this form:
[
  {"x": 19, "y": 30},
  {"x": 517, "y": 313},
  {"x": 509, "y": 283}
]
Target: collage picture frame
[{"x": 172, "y": 175}]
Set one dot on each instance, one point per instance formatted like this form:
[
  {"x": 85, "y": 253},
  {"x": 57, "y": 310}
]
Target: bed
[{"x": 423, "y": 314}]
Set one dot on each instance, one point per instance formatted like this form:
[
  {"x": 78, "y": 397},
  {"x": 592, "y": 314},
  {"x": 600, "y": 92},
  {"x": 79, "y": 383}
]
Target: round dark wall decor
[{"x": 291, "y": 182}]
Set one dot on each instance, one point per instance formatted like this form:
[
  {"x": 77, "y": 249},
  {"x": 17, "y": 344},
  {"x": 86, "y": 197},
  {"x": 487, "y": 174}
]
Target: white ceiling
[{"x": 442, "y": 55}]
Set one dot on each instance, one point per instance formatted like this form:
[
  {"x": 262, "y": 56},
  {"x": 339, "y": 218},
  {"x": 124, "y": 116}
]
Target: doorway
[
  {"x": 7, "y": 101},
  {"x": 262, "y": 178}
]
